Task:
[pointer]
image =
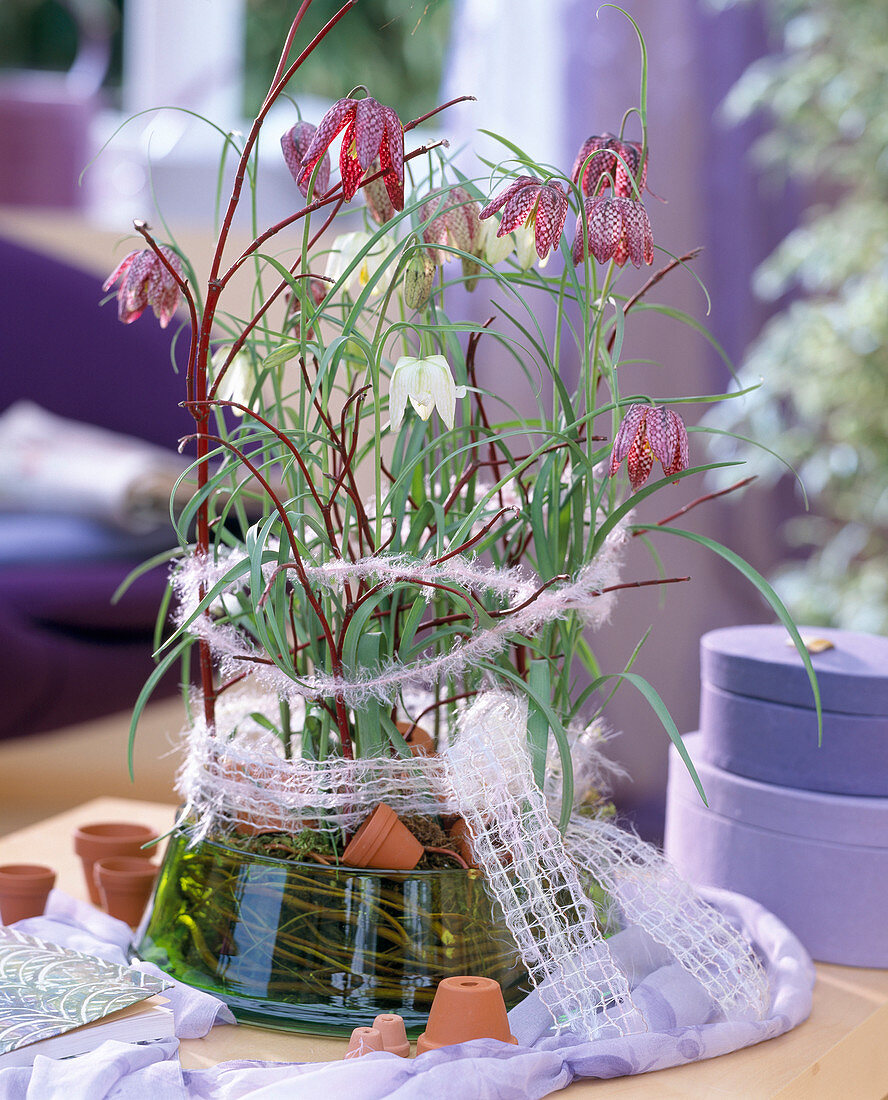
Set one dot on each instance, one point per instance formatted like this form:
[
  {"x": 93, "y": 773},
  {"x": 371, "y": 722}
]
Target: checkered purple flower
[
  {"x": 532, "y": 203},
  {"x": 455, "y": 222},
  {"x": 145, "y": 281},
  {"x": 295, "y": 144},
  {"x": 618, "y": 229},
  {"x": 371, "y": 130},
  {"x": 613, "y": 163},
  {"x": 648, "y": 432}
]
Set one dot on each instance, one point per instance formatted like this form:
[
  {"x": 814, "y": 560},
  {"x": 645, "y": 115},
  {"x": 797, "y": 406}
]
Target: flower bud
[{"x": 419, "y": 276}]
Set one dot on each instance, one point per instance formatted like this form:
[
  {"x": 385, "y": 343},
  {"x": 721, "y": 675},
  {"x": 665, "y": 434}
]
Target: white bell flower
[
  {"x": 428, "y": 384},
  {"x": 238, "y": 381},
  {"x": 494, "y": 249},
  {"x": 344, "y": 253},
  {"x": 525, "y": 248}
]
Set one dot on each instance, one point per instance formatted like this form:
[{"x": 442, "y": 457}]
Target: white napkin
[{"x": 50, "y": 464}]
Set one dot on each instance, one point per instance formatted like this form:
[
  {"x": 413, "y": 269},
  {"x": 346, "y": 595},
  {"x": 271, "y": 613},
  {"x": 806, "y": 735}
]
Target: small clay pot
[
  {"x": 364, "y": 1040},
  {"x": 124, "y": 884},
  {"x": 460, "y": 832},
  {"x": 24, "y": 888},
  {"x": 383, "y": 842},
  {"x": 111, "y": 838},
  {"x": 465, "y": 1008},
  {"x": 419, "y": 741},
  {"x": 394, "y": 1034}
]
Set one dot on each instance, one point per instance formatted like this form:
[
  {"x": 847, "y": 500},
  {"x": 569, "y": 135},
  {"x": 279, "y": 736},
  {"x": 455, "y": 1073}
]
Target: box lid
[
  {"x": 761, "y": 662},
  {"x": 832, "y": 819}
]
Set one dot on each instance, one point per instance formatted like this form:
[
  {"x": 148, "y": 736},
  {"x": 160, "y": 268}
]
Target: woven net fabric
[
  {"x": 538, "y": 878},
  {"x": 525, "y": 605},
  {"x": 238, "y": 773},
  {"x": 527, "y": 868},
  {"x": 650, "y": 893}
]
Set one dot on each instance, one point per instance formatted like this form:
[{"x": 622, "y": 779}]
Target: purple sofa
[{"x": 69, "y": 655}]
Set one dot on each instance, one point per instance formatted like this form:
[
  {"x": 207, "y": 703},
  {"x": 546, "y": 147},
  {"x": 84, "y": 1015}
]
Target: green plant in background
[
  {"x": 824, "y": 356},
  {"x": 397, "y": 47}
]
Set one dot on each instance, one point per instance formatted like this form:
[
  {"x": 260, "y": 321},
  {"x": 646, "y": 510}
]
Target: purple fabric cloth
[
  {"x": 62, "y": 671},
  {"x": 685, "y": 1027},
  {"x": 82, "y": 364}
]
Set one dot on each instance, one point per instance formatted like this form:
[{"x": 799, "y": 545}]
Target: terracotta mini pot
[
  {"x": 394, "y": 1034},
  {"x": 465, "y": 1008},
  {"x": 124, "y": 885},
  {"x": 112, "y": 838},
  {"x": 459, "y": 831},
  {"x": 383, "y": 842},
  {"x": 24, "y": 888},
  {"x": 364, "y": 1040},
  {"x": 419, "y": 741}
]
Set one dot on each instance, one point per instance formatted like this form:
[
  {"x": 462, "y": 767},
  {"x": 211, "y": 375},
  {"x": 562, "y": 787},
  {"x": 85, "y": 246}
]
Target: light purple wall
[{"x": 713, "y": 198}]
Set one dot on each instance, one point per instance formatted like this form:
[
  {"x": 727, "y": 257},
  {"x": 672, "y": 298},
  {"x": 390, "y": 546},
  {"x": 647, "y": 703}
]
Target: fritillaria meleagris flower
[
  {"x": 371, "y": 130},
  {"x": 610, "y": 164},
  {"x": 454, "y": 222},
  {"x": 619, "y": 229},
  {"x": 530, "y": 202},
  {"x": 419, "y": 278},
  {"x": 358, "y": 253},
  {"x": 295, "y": 144},
  {"x": 238, "y": 381},
  {"x": 648, "y": 432},
  {"x": 145, "y": 281},
  {"x": 376, "y": 197},
  {"x": 428, "y": 384}
]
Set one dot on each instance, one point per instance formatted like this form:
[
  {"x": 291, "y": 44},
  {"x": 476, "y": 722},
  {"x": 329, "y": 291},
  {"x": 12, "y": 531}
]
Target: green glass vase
[{"x": 310, "y": 947}]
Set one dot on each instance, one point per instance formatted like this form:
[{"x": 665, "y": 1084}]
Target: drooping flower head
[
  {"x": 529, "y": 202},
  {"x": 454, "y": 221},
  {"x": 376, "y": 197},
  {"x": 428, "y": 384},
  {"x": 648, "y": 432},
  {"x": 618, "y": 229},
  {"x": 419, "y": 278},
  {"x": 295, "y": 144},
  {"x": 613, "y": 163},
  {"x": 239, "y": 380},
  {"x": 145, "y": 281},
  {"x": 360, "y": 254},
  {"x": 371, "y": 130}
]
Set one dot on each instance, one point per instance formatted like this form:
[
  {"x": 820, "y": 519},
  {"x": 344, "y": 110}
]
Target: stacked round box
[{"x": 801, "y": 828}]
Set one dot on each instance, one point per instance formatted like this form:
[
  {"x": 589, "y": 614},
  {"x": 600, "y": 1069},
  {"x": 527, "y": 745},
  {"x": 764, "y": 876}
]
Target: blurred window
[{"x": 395, "y": 47}]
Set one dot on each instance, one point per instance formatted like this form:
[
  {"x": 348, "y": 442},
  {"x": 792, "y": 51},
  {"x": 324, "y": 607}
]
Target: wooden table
[{"x": 840, "y": 1052}]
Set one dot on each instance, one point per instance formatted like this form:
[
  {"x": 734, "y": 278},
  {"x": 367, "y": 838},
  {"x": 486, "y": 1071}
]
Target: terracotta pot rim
[
  {"x": 113, "y": 832},
  {"x": 125, "y": 867},
  {"x": 18, "y": 872}
]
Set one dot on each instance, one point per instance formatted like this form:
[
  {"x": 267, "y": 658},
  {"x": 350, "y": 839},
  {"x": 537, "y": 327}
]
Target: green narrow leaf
[
  {"x": 756, "y": 579},
  {"x": 660, "y": 709},
  {"x": 145, "y": 567},
  {"x": 370, "y": 734},
  {"x": 537, "y": 724},
  {"x": 146, "y": 693}
]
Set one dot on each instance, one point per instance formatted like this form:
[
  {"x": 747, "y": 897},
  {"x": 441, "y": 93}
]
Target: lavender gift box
[
  {"x": 817, "y": 861},
  {"x": 757, "y": 716}
]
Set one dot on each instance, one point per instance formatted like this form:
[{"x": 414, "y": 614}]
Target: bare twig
[{"x": 693, "y": 504}]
